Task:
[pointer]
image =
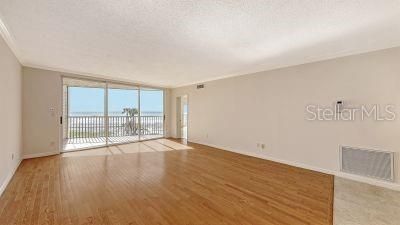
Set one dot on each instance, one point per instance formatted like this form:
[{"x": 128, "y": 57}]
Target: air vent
[
  {"x": 200, "y": 86},
  {"x": 369, "y": 163}
]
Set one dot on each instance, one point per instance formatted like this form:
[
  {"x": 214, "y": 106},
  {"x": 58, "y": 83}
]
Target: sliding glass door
[
  {"x": 123, "y": 113},
  {"x": 103, "y": 113},
  {"x": 151, "y": 113},
  {"x": 84, "y": 114}
]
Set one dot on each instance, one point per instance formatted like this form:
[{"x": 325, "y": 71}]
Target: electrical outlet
[
  {"x": 262, "y": 146},
  {"x": 12, "y": 156}
]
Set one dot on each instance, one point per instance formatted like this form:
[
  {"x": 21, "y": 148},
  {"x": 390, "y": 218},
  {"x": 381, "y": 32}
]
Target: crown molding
[{"x": 10, "y": 41}]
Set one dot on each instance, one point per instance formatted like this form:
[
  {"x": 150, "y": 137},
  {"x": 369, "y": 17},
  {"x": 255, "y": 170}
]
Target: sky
[{"x": 83, "y": 99}]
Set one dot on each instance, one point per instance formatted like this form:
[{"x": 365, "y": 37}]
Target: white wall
[
  {"x": 10, "y": 114},
  {"x": 269, "y": 107},
  {"x": 41, "y": 129}
]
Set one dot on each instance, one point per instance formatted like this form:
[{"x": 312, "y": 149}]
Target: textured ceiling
[{"x": 172, "y": 43}]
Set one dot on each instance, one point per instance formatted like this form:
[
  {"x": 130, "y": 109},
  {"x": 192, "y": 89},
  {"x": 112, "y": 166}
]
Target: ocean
[{"x": 114, "y": 113}]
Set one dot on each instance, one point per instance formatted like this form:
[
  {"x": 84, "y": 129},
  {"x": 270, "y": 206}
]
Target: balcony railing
[{"x": 118, "y": 126}]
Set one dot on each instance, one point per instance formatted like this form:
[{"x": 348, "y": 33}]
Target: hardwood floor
[{"x": 163, "y": 182}]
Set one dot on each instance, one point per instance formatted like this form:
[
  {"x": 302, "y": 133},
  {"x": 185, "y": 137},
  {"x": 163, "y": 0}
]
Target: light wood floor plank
[{"x": 164, "y": 182}]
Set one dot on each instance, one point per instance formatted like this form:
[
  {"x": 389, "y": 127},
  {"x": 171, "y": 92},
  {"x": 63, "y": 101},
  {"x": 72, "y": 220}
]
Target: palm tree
[
  {"x": 130, "y": 125},
  {"x": 130, "y": 111}
]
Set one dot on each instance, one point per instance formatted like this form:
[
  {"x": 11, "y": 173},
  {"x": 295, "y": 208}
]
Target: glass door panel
[
  {"x": 83, "y": 114},
  {"x": 151, "y": 113},
  {"x": 123, "y": 113}
]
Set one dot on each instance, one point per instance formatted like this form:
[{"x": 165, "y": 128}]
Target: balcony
[{"x": 92, "y": 131}]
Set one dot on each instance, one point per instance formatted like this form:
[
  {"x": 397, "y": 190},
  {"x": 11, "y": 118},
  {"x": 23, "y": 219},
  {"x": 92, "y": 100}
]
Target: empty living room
[{"x": 167, "y": 112}]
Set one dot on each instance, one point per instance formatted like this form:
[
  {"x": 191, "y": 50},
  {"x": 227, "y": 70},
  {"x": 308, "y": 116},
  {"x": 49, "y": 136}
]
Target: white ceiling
[{"x": 172, "y": 43}]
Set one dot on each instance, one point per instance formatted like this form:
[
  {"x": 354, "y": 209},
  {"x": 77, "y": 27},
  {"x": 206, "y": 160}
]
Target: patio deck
[{"x": 83, "y": 143}]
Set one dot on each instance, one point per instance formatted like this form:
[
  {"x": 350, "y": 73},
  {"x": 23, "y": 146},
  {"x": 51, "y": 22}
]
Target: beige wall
[
  {"x": 269, "y": 107},
  {"x": 41, "y": 111},
  {"x": 10, "y": 114}
]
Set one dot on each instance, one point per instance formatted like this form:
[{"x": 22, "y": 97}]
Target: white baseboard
[
  {"x": 42, "y": 154},
  {"x": 8, "y": 178},
  {"x": 389, "y": 185},
  {"x": 384, "y": 184},
  {"x": 29, "y": 156}
]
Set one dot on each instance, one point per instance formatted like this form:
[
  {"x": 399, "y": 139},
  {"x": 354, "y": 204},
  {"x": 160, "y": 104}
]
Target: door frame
[
  {"x": 179, "y": 113},
  {"x": 106, "y": 82}
]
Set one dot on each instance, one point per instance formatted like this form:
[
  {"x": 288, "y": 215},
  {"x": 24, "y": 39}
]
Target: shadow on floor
[{"x": 159, "y": 145}]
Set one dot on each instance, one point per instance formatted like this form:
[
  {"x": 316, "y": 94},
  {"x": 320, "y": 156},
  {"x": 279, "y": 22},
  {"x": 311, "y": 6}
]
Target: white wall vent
[
  {"x": 200, "y": 86},
  {"x": 366, "y": 162}
]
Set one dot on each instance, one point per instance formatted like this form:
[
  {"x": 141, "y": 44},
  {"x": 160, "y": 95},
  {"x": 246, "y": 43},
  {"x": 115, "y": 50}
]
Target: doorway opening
[{"x": 182, "y": 117}]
